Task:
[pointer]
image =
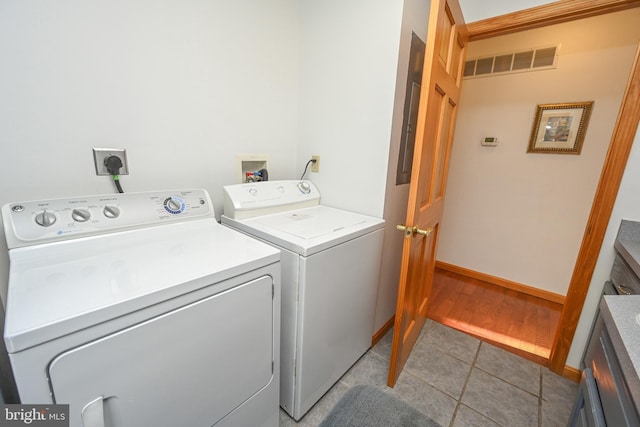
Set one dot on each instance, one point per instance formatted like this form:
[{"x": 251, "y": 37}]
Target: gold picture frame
[{"x": 560, "y": 128}]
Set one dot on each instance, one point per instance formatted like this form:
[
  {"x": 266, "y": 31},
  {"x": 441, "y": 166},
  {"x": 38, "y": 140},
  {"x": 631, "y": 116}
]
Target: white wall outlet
[
  {"x": 100, "y": 154},
  {"x": 315, "y": 167}
]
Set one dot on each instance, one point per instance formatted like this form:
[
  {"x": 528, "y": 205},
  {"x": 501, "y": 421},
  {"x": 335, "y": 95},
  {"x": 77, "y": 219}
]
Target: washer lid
[
  {"x": 59, "y": 288},
  {"x": 308, "y": 230},
  {"x": 312, "y": 224}
]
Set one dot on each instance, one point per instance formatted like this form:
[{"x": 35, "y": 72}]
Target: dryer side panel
[{"x": 191, "y": 366}]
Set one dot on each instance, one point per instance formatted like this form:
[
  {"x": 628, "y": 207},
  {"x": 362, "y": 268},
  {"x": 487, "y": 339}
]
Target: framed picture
[{"x": 560, "y": 128}]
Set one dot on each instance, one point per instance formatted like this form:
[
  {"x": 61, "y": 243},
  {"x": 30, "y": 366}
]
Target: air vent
[{"x": 516, "y": 62}]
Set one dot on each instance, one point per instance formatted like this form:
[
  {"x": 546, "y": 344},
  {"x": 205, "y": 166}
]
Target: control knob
[
  {"x": 111, "y": 212},
  {"x": 80, "y": 215},
  {"x": 174, "y": 205},
  {"x": 304, "y": 187},
  {"x": 45, "y": 219}
]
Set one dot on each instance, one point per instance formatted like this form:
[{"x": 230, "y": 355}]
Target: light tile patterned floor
[{"x": 459, "y": 381}]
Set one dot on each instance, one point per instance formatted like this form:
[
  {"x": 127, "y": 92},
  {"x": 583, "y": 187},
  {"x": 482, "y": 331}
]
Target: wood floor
[{"x": 520, "y": 323}]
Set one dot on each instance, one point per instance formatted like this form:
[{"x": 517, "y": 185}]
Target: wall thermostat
[{"x": 491, "y": 141}]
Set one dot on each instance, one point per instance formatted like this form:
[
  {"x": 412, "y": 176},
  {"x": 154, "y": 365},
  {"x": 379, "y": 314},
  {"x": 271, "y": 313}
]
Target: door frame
[{"x": 614, "y": 165}]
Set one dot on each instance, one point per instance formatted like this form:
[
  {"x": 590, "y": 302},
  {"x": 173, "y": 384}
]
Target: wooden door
[{"x": 439, "y": 98}]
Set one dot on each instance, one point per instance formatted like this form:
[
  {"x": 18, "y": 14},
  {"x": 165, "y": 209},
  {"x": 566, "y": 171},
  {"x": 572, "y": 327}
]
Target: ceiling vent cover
[{"x": 516, "y": 62}]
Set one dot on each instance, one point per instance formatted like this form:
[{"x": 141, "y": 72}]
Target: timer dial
[
  {"x": 304, "y": 187},
  {"x": 45, "y": 218},
  {"x": 174, "y": 205}
]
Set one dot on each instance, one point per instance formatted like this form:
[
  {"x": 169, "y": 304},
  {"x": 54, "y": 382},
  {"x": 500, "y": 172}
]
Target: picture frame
[{"x": 560, "y": 128}]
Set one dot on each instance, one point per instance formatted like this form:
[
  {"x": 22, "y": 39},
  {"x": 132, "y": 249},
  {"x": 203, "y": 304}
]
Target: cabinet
[
  {"x": 587, "y": 410},
  {"x": 603, "y": 398}
]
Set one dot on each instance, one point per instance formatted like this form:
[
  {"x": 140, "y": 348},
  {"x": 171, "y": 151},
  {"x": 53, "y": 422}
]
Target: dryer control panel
[
  {"x": 243, "y": 201},
  {"x": 42, "y": 221}
]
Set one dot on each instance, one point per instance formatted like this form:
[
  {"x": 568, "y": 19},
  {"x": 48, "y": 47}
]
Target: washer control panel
[
  {"x": 264, "y": 197},
  {"x": 42, "y": 221}
]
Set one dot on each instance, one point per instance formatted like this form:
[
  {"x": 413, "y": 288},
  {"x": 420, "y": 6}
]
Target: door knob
[
  {"x": 412, "y": 231},
  {"x": 408, "y": 231},
  {"x": 426, "y": 232}
]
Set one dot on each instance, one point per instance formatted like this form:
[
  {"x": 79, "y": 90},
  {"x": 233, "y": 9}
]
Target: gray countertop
[{"x": 621, "y": 315}]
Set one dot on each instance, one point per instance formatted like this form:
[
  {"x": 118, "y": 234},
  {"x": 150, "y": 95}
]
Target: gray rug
[{"x": 368, "y": 406}]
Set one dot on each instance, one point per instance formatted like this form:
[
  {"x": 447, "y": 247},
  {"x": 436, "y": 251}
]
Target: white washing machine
[
  {"x": 330, "y": 268},
  {"x": 142, "y": 310}
]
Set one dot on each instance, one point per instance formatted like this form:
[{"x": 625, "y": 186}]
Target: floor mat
[{"x": 368, "y": 406}]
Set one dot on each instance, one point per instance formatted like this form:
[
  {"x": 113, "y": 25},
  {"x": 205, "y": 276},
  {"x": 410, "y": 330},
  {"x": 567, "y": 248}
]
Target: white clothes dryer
[
  {"x": 140, "y": 309},
  {"x": 330, "y": 268}
]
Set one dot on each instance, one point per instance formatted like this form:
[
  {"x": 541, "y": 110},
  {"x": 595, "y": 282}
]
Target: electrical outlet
[
  {"x": 100, "y": 154},
  {"x": 315, "y": 167}
]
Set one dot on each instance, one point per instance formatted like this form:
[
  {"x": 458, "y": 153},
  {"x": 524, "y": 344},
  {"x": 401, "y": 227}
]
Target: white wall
[
  {"x": 521, "y": 216},
  {"x": 415, "y": 18},
  {"x": 353, "y": 67},
  {"x": 183, "y": 86},
  {"x": 474, "y": 10},
  {"x": 348, "y": 65},
  {"x": 186, "y": 87}
]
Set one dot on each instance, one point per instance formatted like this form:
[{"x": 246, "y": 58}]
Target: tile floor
[{"x": 459, "y": 381}]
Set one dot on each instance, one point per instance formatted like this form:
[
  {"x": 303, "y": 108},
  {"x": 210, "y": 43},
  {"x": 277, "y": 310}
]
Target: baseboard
[
  {"x": 572, "y": 373},
  {"x": 382, "y": 331},
  {"x": 546, "y": 295}
]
